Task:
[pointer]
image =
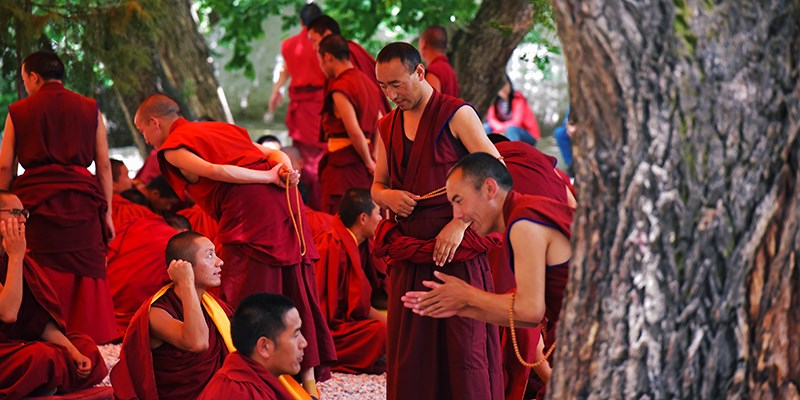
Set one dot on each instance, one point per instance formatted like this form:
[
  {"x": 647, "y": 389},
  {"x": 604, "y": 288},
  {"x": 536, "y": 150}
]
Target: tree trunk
[
  {"x": 497, "y": 29},
  {"x": 686, "y": 236}
]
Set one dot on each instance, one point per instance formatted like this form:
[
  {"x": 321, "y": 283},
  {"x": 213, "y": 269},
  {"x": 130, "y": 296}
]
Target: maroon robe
[
  {"x": 344, "y": 169},
  {"x": 440, "y": 67},
  {"x": 28, "y": 362},
  {"x": 242, "y": 378},
  {"x": 259, "y": 245},
  {"x": 553, "y": 214},
  {"x": 344, "y": 296},
  {"x": 202, "y": 223},
  {"x": 56, "y": 133},
  {"x": 166, "y": 371},
  {"x": 149, "y": 168},
  {"x": 318, "y": 221},
  {"x": 365, "y": 63},
  {"x": 136, "y": 265},
  {"x": 533, "y": 173},
  {"x": 430, "y": 358}
]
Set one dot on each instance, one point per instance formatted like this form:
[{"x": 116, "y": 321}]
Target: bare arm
[
  {"x": 276, "y": 98},
  {"x": 52, "y": 334},
  {"x": 344, "y": 109},
  {"x": 7, "y": 155},
  {"x": 103, "y": 169},
  {"x": 14, "y": 245},
  {"x": 192, "y": 167},
  {"x": 191, "y": 334},
  {"x": 466, "y": 127}
]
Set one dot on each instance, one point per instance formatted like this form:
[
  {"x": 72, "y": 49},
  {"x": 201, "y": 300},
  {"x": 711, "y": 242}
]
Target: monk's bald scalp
[
  {"x": 4, "y": 196},
  {"x": 436, "y": 37},
  {"x": 158, "y": 105}
]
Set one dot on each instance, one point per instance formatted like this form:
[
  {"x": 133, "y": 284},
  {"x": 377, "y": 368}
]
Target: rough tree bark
[
  {"x": 686, "y": 237},
  {"x": 497, "y": 29}
]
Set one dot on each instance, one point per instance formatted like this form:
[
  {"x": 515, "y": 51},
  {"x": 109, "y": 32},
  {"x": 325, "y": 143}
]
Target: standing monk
[
  {"x": 349, "y": 122},
  {"x": 454, "y": 358},
  {"x": 56, "y": 134},
  {"x": 37, "y": 356},
  {"x": 537, "y": 233},
  {"x": 305, "y": 97},
  {"x": 439, "y": 72},
  {"x": 242, "y": 186}
]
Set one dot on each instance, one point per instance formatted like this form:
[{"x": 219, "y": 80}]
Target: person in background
[{"x": 511, "y": 115}]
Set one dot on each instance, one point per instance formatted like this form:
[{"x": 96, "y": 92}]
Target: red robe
[
  {"x": 166, "y": 371},
  {"x": 242, "y": 378},
  {"x": 557, "y": 215},
  {"x": 533, "y": 173},
  {"x": 30, "y": 364},
  {"x": 344, "y": 169},
  {"x": 136, "y": 265},
  {"x": 149, "y": 168},
  {"x": 364, "y": 62},
  {"x": 318, "y": 221},
  {"x": 453, "y": 357},
  {"x": 202, "y": 223},
  {"x": 124, "y": 210},
  {"x": 259, "y": 245},
  {"x": 344, "y": 296},
  {"x": 440, "y": 67},
  {"x": 56, "y": 132}
]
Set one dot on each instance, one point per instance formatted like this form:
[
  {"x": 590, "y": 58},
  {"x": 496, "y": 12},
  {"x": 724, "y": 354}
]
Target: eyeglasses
[{"x": 18, "y": 212}]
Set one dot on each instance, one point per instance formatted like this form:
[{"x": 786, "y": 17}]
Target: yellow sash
[
  {"x": 294, "y": 388},
  {"x": 214, "y": 311}
]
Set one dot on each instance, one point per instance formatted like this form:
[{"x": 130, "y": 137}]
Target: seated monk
[
  {"x": 120, "y": 181},
  {"x": 266, "y": 332},
  {"x": 179, "y": 338},
  {"x": 358, "y": 329},
  {"x": 36, "y": 355}
]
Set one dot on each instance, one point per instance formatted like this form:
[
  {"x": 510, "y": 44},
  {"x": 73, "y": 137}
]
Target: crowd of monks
[{"x": 385, "y": 239}]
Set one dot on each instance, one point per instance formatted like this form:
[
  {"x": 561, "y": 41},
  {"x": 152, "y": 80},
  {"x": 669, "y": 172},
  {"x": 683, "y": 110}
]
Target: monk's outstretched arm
[
  {"x": 191, "y": 165},
  {"x": 191, "y": 334},
  {"x": 7, "y": 155},
  {"x": 52, "y": 334},
  {"x": 348, "y": 115},
  {"x": 103, "y": 169},
  {"x": 11, "y": 293}
]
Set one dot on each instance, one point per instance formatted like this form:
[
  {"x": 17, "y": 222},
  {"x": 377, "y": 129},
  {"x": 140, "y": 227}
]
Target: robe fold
[
  {"x": 166, "y": 371},
  {"x": 137, "y": 266},
  {"x": 365, "y": 63},
  {"x": 343, "y": 169},
  {"x": 242, "y": 378},
  {"x": 533, "y": 174},
  {"x": 124, "y": 210},
  {"x": 318, "y": 221},
  {"x": 202, "y": 223},
  {"x": 553, "y": 214},
  {"x": 431, "y": 358},
  {"x": 344, "y": 296},
  {"x": 55, "y": 136},
  {"x": 260, "y": 247},
  {"x": 30, "y": 364},
  {"x": 441, "y": 68}
]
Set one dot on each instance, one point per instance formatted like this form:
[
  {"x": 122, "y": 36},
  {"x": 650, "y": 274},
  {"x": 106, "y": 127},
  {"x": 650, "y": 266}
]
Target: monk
[
  {"x": 136, "y": 263},
  {"x": 533, "y": 173},
  {"x": 161, "y": 198},
  {"x": 56, "y": 134},
  {"x": 426, "y": 134},
  {"x": 349, "y": 121},
  {"x": 240, "y": 184},
  {"x": 439, "y": 73},
  {"x": 178, "y": 338},
  {"x": 266, "y": 332},
  {"x": 120, "y": 181},
  {"x": 323, "y": 26},
  {"x": 358, "y": 329},
  {"x": 305, "y": 98},
  {"x": 37, "y": 356},
  {"x": 537, "y": 231}
]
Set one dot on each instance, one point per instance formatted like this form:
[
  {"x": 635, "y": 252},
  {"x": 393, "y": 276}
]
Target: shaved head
[
  {"x": 157, "y": 105},
  {"x": 435, "y": 37}
]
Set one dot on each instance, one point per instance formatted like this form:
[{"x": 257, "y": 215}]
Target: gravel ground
[{"x": 339, "y": 387}]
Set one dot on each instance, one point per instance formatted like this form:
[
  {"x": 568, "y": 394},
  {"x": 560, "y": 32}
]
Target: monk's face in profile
[
  {"x": 151, "y": 129},
  {"x": 403, "y": 86},
  {"x": 470, "y": 203},
  {"x": 287, "y": 350},
  {"x": 372, "y": 220},
  {"x": 315, "y": 37},
  {"x": 206, "y": 265}
]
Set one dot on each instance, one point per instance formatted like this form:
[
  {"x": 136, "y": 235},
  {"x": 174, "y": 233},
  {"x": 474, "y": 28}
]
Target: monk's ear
[
  {"x": 490, "y": 187},
  {"x": 420, "y": 71},
  {"x": 264, "y": 347}
]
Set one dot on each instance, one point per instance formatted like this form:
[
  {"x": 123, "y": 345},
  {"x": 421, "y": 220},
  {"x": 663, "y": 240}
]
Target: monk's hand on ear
[
  {"x": 447, "y": 241},
  {"x": 181, "y": 273},
  {"x": 448, "y": 297},
  {"x": 400, "y": 202},
  {"x": 13, "y": 237},
  {"x": 83, "y": 364}
]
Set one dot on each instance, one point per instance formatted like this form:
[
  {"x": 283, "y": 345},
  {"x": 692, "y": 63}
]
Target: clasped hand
[
  {"x": 446, "y": 299},
  {"x": 279, "y": 173}
]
